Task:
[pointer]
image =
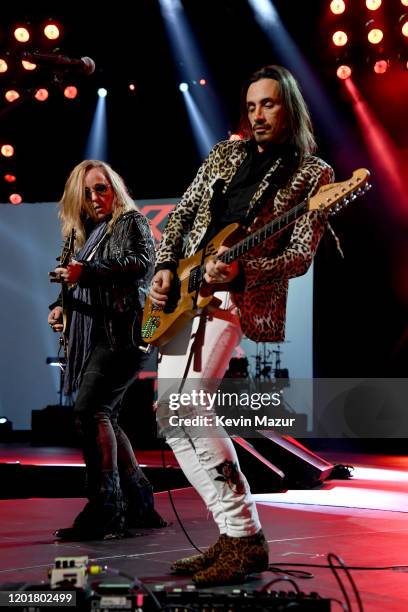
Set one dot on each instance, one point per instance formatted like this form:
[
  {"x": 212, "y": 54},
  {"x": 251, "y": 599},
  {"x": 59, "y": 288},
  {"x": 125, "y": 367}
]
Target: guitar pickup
[{"x": 194, "y": 279}]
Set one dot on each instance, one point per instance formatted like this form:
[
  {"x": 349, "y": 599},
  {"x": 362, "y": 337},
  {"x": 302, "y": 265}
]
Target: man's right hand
[
  {"x": 160, "y": 287},
  {"x": 55, "y": 319}
]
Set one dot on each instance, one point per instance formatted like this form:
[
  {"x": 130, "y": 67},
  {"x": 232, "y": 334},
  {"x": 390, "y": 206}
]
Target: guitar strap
[{"x": 278, "y": 179}]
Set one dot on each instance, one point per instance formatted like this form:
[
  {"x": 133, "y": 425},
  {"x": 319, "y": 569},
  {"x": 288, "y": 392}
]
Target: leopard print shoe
[
  {"x": 190, "y": 565},
  {"x": 239, "y": 557}
]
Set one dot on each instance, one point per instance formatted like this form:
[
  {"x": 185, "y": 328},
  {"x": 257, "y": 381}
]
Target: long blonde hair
[{"x": 74, "y": 208}]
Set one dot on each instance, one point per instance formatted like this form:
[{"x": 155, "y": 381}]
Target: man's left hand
[{"x": 218, "y": 272}]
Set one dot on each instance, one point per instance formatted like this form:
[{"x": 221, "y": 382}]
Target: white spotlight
[
  {"x": 102, "y": 92},
  {"x": 183, "y": 87}
]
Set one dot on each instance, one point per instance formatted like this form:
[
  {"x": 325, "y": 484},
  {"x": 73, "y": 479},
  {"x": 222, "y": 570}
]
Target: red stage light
[
  {"x": 3, "y": 65},
  {"x": 51, "y": 31},
  {"x": 132, "y": 86},
  {"x": 235, "y": 137},
  {"x": 340, "y": 38},
  {"x": 337, "y": 7},
  {"x": 375, "y": 36},
  {"x": 10, "y": 178},
  {"x": 203, "y": 82},
  {"x": 344, "y": 72},
  {"x": 41, "y": 95},
  {"x": 70, "y": 92},
  {"x": 7, "y": 150},
  {"x": 15, "y": 199},
  {"x": 404, "y": 27},
  {"x": 11, "y": 95},
  {"x": 373, "y": 5},
  {"x": 28, "y": 65},
  {"x": 22, "y": 35},
  {"x": 381, "y": 66}
]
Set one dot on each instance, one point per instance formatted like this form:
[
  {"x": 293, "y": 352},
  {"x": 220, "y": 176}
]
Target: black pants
[{"x": 106, "y": 447}]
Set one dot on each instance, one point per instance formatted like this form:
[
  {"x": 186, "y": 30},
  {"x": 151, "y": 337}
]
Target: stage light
[
  {"x": 6, "y": 427},
  {"x": 373, "y": 5},
  {"x": 54, "y": 362},
  {"x": 132, "y": 86},
  {"x": 15, "y": 198},
  {"x": 235, "y": 137},
  {"x": 183, "y": 87},
  {"x": 404, "y": 2},
  {"x": 41, "y": 94},
  {"x": 22, "y": 35},
  {"x": 97, "y": 142},
  {"x": 3, "y": 65},
  {"x": 70, "y": 92},
  {"x": 102, "y": 92},
  {"x": 10, "y": 178},
  {"x": 203, "y": 82},
  {"x": 28, "y": 65},
  {"x": 375, "y": 36},
  {"x": 51, "y": 31},
  {"x": 343, "y": 72},
  {"x": 340, "y": 38},
  {"x": 404, "y": 24},
  {"x": 380, "y": 66},
  {"x": 11, "y": 95},
  {"x": 7, "y": 150},
  {"x": 337, "y": 7}
]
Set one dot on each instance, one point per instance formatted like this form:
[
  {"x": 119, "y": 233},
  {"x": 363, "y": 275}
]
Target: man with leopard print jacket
[{"x": 251, "y": 182}]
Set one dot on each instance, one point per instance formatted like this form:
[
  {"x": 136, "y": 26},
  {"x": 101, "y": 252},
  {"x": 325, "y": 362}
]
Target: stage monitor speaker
[
  {"x": 299, "y": 467},
  {"x": 262, "y": 475}
]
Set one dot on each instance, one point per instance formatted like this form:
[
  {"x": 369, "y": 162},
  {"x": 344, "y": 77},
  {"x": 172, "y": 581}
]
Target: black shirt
[{"x": 232, "y": 206}]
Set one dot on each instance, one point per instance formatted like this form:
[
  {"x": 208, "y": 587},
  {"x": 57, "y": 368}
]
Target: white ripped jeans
[{"x": 202, "y": 351}]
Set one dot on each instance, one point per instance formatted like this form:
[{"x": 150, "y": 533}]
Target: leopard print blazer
[{"x": 267, "y": 268}]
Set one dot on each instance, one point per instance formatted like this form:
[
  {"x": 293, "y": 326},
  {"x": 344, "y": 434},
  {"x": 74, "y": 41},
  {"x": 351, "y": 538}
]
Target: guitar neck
[{"x": 268, "y": 230}]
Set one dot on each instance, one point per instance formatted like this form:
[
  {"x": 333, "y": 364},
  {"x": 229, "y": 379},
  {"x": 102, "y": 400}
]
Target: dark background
[{"x": 361, "y": 301}]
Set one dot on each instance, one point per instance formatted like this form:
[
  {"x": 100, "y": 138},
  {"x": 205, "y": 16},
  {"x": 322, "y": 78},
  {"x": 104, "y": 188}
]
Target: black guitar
[{"x": 64, "y": 259}]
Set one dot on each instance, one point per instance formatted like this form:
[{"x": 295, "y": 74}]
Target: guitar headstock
[
  {"x": 67, "y": 249},
  {"x": 335, "y": 196}
]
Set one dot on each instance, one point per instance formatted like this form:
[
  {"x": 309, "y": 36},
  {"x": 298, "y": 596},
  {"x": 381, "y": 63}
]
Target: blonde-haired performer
[{"x": 108, "y": 278}]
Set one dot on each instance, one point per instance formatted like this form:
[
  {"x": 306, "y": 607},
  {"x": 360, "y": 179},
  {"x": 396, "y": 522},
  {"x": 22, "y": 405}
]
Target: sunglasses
[{"x": 100, "y": 189}]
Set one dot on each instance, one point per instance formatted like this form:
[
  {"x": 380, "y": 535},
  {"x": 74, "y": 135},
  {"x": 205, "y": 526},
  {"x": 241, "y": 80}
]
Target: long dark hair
[{"x": 299, "y": 124}]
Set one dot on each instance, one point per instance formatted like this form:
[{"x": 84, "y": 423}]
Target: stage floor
[{"x": 301, "y": 527}]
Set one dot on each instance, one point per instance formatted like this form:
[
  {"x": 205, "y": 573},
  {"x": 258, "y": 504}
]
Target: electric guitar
[
  {"x": 189, "y": 293},
  {"x": 64, "y": 259}
]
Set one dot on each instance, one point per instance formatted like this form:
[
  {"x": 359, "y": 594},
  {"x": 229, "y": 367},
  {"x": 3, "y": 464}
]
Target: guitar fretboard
[
  {"x": 251, "y": 241},
  {"x": 268, "y": 230}
]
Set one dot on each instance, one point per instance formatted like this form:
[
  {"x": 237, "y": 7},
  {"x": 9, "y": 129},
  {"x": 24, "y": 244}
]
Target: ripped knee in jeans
[{"x": 229, "y": 473}]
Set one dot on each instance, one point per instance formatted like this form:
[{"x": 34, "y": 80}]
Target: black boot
[
  {"x": 103, "y": 517},
  {"x": 139, "y": 502}
]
